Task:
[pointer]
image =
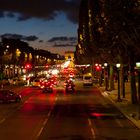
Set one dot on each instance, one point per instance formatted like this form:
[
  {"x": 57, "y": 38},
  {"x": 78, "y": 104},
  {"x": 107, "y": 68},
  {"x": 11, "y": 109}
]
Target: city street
[{"x": 83, "y": 115}]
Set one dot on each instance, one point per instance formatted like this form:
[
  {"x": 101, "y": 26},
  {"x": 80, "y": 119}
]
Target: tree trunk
[
  {"x": 122, "y": 85},
  {"x": 132, "y": 78},
  {"x": 111, "y": 80},
  {"x": 106, "y": 78}
]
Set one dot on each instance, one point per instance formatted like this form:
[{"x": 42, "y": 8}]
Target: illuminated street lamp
[
  {"x": 118, "y": 65},
  {"x": 118, "y": 71},
  {"x": 138, "y": 67}
]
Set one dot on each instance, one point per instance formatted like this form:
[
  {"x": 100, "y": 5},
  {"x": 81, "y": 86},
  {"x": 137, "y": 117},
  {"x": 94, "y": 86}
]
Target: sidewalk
[{"x": 131, "y": 111}]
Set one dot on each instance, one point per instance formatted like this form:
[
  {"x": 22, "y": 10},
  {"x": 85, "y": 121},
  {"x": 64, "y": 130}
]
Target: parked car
[{"x": 9, "y": 96}]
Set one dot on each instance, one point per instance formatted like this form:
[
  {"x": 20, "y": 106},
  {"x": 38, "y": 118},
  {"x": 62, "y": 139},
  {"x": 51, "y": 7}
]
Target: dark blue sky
[{"x": 45, "y": 24}]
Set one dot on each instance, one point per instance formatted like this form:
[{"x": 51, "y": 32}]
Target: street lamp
[
  {"x": 138, "y": 67},
  {"x": 118, "y": 71}
]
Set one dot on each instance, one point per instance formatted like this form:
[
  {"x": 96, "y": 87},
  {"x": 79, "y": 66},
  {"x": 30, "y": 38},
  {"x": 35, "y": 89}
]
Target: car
[
  {"x": 53, "y": 81},
  {"x": 69, "y": 86},
  {"x": 48, "y": 87},
  {"x": 87, "y": 80},
  {"x": 9, "y": 96},
  {"x": 36, "y": 83}
]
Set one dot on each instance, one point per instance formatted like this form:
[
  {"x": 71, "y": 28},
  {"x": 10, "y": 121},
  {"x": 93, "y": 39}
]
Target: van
[{"x": 87, "y": 80}]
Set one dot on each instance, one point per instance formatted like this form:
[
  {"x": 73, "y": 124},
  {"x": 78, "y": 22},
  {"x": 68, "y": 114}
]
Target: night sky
[{"x": 45, "y": 24}]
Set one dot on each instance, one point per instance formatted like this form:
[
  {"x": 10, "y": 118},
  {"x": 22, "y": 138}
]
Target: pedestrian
[
  {"x": 1, "y": 85},
  {"x": 125, "y": 77}
]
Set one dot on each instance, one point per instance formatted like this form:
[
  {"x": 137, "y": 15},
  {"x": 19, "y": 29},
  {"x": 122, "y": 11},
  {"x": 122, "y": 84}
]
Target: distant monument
[{"x": 69, "y": 55}]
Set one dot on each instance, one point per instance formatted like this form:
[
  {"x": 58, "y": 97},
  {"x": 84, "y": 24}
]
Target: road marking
[
  {"x": 48, "y": 115},
  {"x": 92, "y": 129},
  {"x": 40, "y": 131},
  {"x": 56, "y": 98},
  {"x": 119, "y": 122},
  {"x": 44, "y": 123},
  {"x": 2, "y": 120}
]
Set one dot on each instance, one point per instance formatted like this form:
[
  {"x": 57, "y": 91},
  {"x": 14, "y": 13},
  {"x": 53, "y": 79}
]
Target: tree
[{"x": 123, "y": 18}]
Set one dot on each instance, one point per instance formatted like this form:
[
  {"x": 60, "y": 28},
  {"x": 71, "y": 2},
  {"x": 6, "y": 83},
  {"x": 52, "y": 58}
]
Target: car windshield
[
  {"x": 37, "y": 80},
  {"x": 87, "y": 78}
]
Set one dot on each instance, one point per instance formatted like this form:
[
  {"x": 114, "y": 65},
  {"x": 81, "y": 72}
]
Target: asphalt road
[{"x": 83, "y": 115}]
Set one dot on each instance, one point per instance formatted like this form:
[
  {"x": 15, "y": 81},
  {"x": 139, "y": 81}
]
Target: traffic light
[
  {"x": 98, "y": 68},
  {"x": 28, "y": 66},
  {"x": 47, "y": 66}
]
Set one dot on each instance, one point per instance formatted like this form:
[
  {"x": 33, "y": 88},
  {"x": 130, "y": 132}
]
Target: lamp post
[
  {"x": 118, "y": 71},
  {"x": 106, "y": 76},
  {"x": 138, "y": 67}
]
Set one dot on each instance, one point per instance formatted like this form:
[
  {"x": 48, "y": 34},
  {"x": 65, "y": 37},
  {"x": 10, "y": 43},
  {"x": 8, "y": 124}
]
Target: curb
[{"x": 134, "y": 121}]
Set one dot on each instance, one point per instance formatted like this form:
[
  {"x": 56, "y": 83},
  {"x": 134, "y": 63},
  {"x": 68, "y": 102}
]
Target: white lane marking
[
  {"x": 92, "y": 129},
  {"x": 2, "y": 120},
  {"x": 119, "y": 123},
  {"x": 40, "y": 131},
  {"x": 46, "y": 120},
  {"x": 56, "y": 98},
  {"x": 48, "y": 115},
  {"x": 44, "y": 123}
]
